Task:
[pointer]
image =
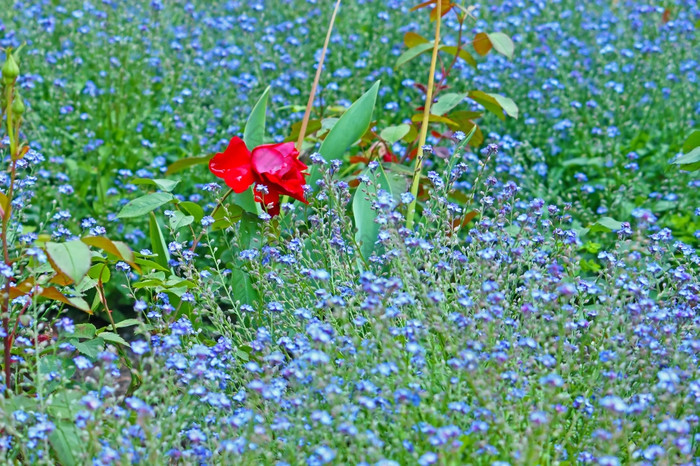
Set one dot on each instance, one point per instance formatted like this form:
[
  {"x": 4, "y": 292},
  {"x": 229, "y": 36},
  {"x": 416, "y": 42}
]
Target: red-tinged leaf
[
  {"x": 482, "y": 43},
  {"x": 60, "y": 279},
  {"x": 26, "y": 285},
  {"x": 412, "y": 134},
  {"x": 446, "y": 7},
  {"x": 461, "y": 115},
  {"x": 457, "y": 223},
  {"x": 411, "y": 39},
  {"x": 420, "y": 87},
  {"x": 461, "y": 53},
  {"x": 417, "y": 118},
  {"x": 23, "y": 152},
  {"x": 666, "y": 17},
  {"x": 369, "y": 136},
  {"x": 469, "y": 217},
  {"x": 22, "y": 288},
  {"x": 5, "y": 206},
  {"x": 423, "y": 5},
  {"x": 358, "y": 159},
  {"x": 116, "y": 248},
  {"x": 55, "y": 295},
  {"x": 311, "y": 128}
]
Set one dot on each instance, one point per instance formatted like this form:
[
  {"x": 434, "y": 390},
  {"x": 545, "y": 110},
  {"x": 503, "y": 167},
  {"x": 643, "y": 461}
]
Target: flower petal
[
  {"x": 234, "y": 165},
  {"x": 274, "y": 158}
]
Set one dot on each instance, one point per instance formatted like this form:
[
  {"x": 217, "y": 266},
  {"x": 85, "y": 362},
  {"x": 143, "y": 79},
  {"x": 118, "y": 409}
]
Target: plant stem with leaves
[
  {"x": 10, "y": 71},
  {"x": 426, "y": 118}
]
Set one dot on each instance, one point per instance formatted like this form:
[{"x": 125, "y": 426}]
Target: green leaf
[
  {"x": 254, "y": 132},
  {"x": 144, "y": 204},
  {"x": 605, "y": 224},
  {"x": 100, "y": 272},
  {"x": 349, "y": 128},
  {"x": 73, "y": 258},
  {"x": 66, "y": 442},
  {"x": 89, "y": 348},
  {"x": 84, "y": 331},
  {"x": 253, "y": 136},
  {"x": 584, "y": 161},
  {"x": 158, "y": 242},
  {"x": 412, "y": 53},
  {"x": 150, "y": 265},
  {"x": 393, "y": 134},
  {"x": 161, "y": 183},
  {"x": 367, "y": 228},
  {"x": 689, "y": 161},
  {"x": 192, "y": 209},
  {"x": 180, "y": 220},
  {"x": 249, "y": 232},
  {"x": 663, "y": 206},
  {"x": 128, "y": 323},
  {"x": 692, "y": 142},
  {"x": 112, "y": 337},
  {"x": 187, "y": 162},
  {"x": 496, "y": 103},
  {"x": 225, "y": 218},
  {"x": 447, "y": 102},
  {"x": 61, "y": 404},
  {"x": 242, "y": 287},
  {"x": 502, "y": 43},
  {"x": 148, "y": 284}
]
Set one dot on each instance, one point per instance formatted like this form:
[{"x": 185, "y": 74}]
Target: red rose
[{"x": 274, "y": 167}]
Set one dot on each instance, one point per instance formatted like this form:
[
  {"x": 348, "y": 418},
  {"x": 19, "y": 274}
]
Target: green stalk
[{"x": 426, "y": 118}]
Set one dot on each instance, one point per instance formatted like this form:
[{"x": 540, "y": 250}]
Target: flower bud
[
  {"x": 18, "y": 105},
  {"x": 10, "y": 70}
]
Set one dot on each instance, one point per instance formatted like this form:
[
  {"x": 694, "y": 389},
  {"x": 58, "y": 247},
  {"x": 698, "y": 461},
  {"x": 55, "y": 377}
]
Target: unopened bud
[
  {"x": 18, "y": 105},
  {"x": 10, "y": 70}
]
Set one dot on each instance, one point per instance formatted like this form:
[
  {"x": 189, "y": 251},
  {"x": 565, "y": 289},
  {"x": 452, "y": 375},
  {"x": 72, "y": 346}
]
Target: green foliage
[
  {"x": 365, "y": 216},
  {"x": 158, "y": 244},
  {"x": 253, "y": 137},
  {"x": 690, "y": 160},
  {"x": 72, "y": 258},
  {"x": 350, "y": 127},
  {"x": 143, "y": 205}
]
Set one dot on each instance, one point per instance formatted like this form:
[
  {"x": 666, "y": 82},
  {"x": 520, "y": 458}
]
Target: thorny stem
[
  {"x": 135, "y": 377},
  {"x": 426, "y": 118},
  {"x": 456, "y": 56},
  {"x": 447, "y": 72},
  {"x": 317, "y": 78},
  {"x": 21, "y": 313}
]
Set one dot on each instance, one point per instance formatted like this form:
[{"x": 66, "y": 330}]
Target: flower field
[{"x": 372, "y": 232}]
